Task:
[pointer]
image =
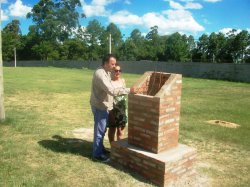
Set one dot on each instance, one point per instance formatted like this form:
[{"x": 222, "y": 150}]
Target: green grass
[{"x": 44, "y": 105}]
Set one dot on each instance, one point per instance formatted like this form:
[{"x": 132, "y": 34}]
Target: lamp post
[
  {"x": 110, "y": 44},
  {"x": 15, "y": 56}
]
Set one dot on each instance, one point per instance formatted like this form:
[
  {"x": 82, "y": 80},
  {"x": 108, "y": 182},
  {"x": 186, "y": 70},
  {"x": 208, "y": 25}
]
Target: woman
[{"x": 117, "y": 116}]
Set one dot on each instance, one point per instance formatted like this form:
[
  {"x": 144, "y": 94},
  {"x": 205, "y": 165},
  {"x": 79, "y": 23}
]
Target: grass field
[{"x": 44, "y": 105}]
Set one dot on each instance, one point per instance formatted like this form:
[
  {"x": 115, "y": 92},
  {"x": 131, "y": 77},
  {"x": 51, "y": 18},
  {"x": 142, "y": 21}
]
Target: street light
[
  {"x": 109, "y": 43},
  {"x": 15, "y": 55}
]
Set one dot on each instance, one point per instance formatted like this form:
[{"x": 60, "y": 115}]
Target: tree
[
  {"x": 116, "y": 37},
  {"x": 46, "y": 50},
  {"x": 2, "y": 111},
  {"x": 212, "y": 48},
  {"x": 95, "y": 32},
  {"x": 222, "y": 52},
  {"x": 177, "y": 48},
  {"x": 11, "y": 39},
  {"x": 139, "y": 41},
  {"x": 74, "y": 49},
  {"x": 128, "y": 50},
  {"x": 153, "y": 44},
  {"x": 55, "y": 20},
  {"x": 191, "y": 46},
  {"x": 136, "y": 36},
  {"x": 201, "y": 52},
  {"x": 240, "y": 44},
  {"x": 29, "y": 41}
]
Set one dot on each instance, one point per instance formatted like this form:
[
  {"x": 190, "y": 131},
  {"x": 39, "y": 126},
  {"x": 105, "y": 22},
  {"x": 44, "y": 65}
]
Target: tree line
[{"x": 56, "y": 34}]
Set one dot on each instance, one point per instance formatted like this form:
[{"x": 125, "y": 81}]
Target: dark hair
[{"x": 106, "y": 58}]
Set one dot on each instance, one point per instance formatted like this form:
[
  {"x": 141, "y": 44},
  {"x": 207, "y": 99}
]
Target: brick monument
[{"x": 152, "y": 147}]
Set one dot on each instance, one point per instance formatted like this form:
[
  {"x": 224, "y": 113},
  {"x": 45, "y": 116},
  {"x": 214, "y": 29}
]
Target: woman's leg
[
  {"x": 119, "y": 133},
  {"x": 111, "y": 134}
]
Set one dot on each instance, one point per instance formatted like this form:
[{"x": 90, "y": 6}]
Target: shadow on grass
[
  {"x": 84, "y": 148},
  {"x": 68, "y": 145},
  {"x": 128, "y": 171}
]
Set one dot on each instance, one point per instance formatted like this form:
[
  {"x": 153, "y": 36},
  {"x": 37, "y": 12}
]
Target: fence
[{"x": 222, "y": 71}]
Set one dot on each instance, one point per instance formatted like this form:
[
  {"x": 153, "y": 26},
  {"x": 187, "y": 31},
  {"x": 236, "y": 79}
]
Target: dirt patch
[
  {"x": 196, "y": 180},
  {"x": 223, "y": 123}
]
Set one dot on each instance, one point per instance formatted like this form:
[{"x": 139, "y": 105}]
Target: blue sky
[{"x": 193, "y": 17}]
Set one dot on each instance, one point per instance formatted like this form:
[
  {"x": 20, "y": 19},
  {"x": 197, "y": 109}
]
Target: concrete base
[{"x": 160, "y": 168}]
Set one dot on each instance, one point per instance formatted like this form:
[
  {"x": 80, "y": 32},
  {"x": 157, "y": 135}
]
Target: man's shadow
[
  {"x": 68, "y": 145},
  {"x": 83, "y": 148}
]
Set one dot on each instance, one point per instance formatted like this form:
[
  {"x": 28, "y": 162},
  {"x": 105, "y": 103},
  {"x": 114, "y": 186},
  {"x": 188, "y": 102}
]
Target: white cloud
[
  {"x": 167, "y": 21},
  {"x": 18, "y": 9},
  {"x": 177, "y": 19},
  {"x": 227, "y": 30},
  {"x": 96, "y": 7},
  {"x": 124, "y": 18},
  {"x": 248, "y": 29},
  {"x": 187, "y": 0},
  {"x": 4, "y": 16},
  {"x": 175, "y": 5},
  {"x": 181, "y": 21},
  {"x": 212, "y": 1},
  {"x": 128, "y": 2},
  {"x": 3, "y": 1},
  {"x": 191, "y": 5}
]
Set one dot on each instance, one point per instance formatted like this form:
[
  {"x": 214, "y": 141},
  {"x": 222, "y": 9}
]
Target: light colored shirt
[{"x": 102, "y": 90}]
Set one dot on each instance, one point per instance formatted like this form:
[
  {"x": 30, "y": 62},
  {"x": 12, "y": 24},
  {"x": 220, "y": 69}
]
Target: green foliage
[
  {"x": 57, "y": 35},
  {"x": 46, "y": 50},
  {"x": 116, "y": 35},
  {"x": 177, "y": 48},
  {"x": 11, "y": 39},
  {"x": 128, "y": 50},
  {"x": 95, "y": 37},
  {"x": 55, "y": 20},
  {"x": 74, "y": 49}
]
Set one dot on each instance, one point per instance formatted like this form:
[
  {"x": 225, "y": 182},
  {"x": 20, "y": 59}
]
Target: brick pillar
[
  {"x": 152, "y": 148},
  {"x": 153, "y": 120}
]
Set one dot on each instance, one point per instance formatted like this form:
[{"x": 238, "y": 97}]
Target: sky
[{"x": 191, "y": 17}]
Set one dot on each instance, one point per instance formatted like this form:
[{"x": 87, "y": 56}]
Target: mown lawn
[{"x": 44, "y": 105}]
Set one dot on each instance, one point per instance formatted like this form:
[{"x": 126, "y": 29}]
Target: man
[{"x": 101, "y": 101}]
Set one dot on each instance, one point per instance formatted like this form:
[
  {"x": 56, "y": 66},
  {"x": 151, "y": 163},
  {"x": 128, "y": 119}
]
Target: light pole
[
  {"x": 110, "y": 44},
  {"x": 15, "y": 56}
]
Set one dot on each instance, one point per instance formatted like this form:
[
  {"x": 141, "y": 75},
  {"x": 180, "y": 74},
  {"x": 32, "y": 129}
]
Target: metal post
[
  {"x": 109, "y": 43},
  {"x": 15, "y": 56}
]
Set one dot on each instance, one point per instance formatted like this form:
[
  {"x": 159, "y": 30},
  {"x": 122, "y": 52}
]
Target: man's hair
[{"x": 106, "y": 58}]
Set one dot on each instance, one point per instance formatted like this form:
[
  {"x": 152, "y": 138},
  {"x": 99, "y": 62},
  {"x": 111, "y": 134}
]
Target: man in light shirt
[{"x": 101, "y": 101}]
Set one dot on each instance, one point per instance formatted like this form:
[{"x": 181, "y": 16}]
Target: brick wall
[{"x": 161, "y": 168}]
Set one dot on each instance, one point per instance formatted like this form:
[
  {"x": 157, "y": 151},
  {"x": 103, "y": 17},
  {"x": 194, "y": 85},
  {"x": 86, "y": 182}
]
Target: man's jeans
[{"x": 100, "y": 119}]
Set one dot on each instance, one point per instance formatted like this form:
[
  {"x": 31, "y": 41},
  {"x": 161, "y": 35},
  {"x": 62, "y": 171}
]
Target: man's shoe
[{"x": 102, "y": 158}]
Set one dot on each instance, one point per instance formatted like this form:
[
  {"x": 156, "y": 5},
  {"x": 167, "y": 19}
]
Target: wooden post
[{"x": 2, "y": 112}]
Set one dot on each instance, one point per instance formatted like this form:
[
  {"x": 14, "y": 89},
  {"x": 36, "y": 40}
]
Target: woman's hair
[{"x": 106, "y": 58}]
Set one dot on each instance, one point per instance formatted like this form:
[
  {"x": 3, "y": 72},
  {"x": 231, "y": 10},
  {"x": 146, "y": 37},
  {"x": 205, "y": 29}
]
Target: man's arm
[{"x": 107, "y": 86}]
